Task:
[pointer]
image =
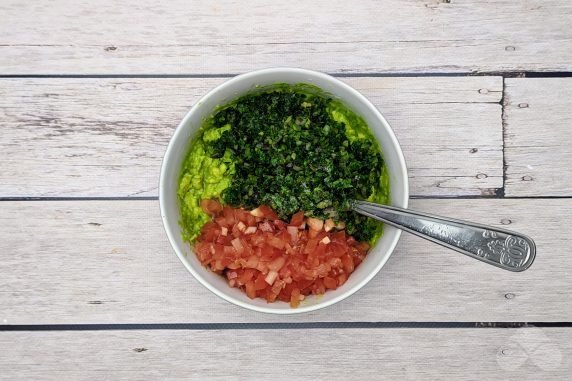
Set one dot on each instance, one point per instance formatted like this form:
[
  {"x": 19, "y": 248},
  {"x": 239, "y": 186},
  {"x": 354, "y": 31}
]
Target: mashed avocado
[
  {"x": 289, "y": 147},
  {"x": 203, "y": 177}
]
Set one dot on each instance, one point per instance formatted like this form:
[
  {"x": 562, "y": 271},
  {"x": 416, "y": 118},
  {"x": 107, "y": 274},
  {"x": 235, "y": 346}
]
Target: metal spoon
[{"x": 498, "y": 247}]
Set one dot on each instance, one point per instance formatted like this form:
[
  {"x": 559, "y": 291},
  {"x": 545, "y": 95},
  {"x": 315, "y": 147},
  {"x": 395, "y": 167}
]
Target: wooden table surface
[{"x": 477, "y": 91}]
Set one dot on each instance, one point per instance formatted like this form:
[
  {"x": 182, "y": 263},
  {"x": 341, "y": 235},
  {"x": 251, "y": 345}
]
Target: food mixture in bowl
[{"x": 266, "y": 188}]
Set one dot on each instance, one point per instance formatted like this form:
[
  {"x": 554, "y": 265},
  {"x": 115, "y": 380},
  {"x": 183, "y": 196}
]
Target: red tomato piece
[
  {"x": 297, "y": 219},
  {"x": 277, "y": 263},
  {"x": 252, "y": 261},
  {"x": 330, "y": 283},
  {"x": 266, "y": 226},
  {"x": 260, "y": 283},
  {"x": 311, "y": 246},
  {"x": 280, "y": 225},
  {"x": 228, "y": 214},
  {"x": 276, "y": 242},
  {"x": 203, "y": 251},
  {"x": 268, "y": 213},
  {"x": 246, "y": 276},
  {"x": 348, "y": 263},
  {"x": 293, "y": 232},
  {"x": 238, "y": 246},
  {"x": 250, "y": 290}
]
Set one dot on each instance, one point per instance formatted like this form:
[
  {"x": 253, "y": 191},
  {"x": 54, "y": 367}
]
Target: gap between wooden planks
[
  {"x": 81, "y": 262},
  {"x": 412, "y": 354},
  {"x": 146, "y": 37},
  {"x": 106, "y": 137}
]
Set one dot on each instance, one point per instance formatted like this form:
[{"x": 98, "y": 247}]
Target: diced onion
[{"x": 271, "y": 277}]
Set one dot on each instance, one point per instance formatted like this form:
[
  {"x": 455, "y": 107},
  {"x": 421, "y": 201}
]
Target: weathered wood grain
[
  {"x": 146, "y": 37},
  {"x": 317, "y": 354},
  {"x": 106, "y": 137},
  {"x": 538, "y": 137},
  {"x": 110, "y": 262}
]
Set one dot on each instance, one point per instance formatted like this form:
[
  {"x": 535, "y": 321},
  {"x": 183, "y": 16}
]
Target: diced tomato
[
  {"x": 267, "y": 253},
  {"x": 250, "y": 220},
  {"x": 270, "y": 259},
  {"x": 323, "y": 269},
  {"x": 221, "y": 239},
  {"x": 258, "y": 239},
  {"x": 221, "y": 221},
  {"x": 276, "y": 242},
  {"x": 231, "y": 274},
  {"x": 297, "y": 219},
  {"x": 339, "y": 237},
  {"x": 293, "y": 231},
  {"x": 266, "y": 226},
  {"x": 246, "y": 276},
  {"x": 268, "y": 213},
  {"x": 280, "y": 225},
  {"x": 252, "y": 261},
  {"x": 229, "y": 250},
  {"x": 313, "y": 233},
  {"x": 262, "y": 267},
  {"x": 320, "y": 249},
  {"x": 335, "y": 262},
  {"x": 277, "y": 264},
  {"x": 228, "y": 214},
  {"x": 210, "y": 231},
  {"x": 270, "y": 297},
  {"x": 337, "y": 249},
  {"x": 348, "y": 263},
  {"x": 218, "y": 251},
  {"x": 305, "y": 285},
  {"x": 278, "y": 286},
  {"x": 250, "y": 290},
  {"x": 241, "y": 215},
  {"x": 238, "y": 246},
  {"x": 260, "y": 283},
  {"x": 203, "y": 251},
  {"x": 330, "y": 283},
  {"x": 225, "y": 262},
  {"x": 319, "y": 287},
  {"x": 311, "y": 246},
  {"x": 248, "y": 250}
]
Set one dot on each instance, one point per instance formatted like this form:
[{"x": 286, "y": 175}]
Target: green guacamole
[
  {"x": 202, "y": 177},
  {"x": 291, "y": 147}
]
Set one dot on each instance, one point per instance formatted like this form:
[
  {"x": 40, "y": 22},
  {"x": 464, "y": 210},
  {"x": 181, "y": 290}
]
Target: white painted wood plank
[
  {"x": 318, "y": 354},
  {"x": 538, "y": 136},
  {"x": 143, "y": 37},
  {"x": 110, "y": 262},
  {"x": 106, "y": 137}
]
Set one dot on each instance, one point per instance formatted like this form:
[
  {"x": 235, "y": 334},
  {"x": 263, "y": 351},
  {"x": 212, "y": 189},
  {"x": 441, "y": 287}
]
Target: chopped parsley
[{"x": 294, "y": 149}]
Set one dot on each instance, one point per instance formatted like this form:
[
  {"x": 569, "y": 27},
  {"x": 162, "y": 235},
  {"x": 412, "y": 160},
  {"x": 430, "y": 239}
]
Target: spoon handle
[{"x": 502, "y": 248}]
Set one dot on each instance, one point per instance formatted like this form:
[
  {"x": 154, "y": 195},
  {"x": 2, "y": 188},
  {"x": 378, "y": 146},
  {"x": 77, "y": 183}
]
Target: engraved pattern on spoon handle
[{"x": 502, "y": 248}]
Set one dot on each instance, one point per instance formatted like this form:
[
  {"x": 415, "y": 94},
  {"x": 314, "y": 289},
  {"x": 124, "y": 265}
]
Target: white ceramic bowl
[{"x": 232, "y": 89}]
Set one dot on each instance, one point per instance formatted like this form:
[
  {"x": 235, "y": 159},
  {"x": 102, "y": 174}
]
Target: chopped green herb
[{"x": 295, "y": 150}]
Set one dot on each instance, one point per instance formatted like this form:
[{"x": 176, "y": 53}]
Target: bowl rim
[{"x": 404, "y": 199}]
